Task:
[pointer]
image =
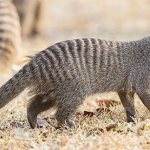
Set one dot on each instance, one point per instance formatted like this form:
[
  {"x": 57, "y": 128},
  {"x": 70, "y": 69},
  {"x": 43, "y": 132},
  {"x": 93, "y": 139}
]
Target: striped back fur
[
  {"x": 67, "y": 72},
  {"x": 10, "y": 39}
]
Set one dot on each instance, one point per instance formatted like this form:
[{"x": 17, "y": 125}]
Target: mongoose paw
[
  {"x": 66, "y": 125},
  {"x": 70, "y": 124},
  {"x": 130, "y": 117},
  {"x": 130, "y": 120},
  {"x": 32, "y": 121}
]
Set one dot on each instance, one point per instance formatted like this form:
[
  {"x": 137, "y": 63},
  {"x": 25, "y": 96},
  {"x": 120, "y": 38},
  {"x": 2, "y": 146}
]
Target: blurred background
[
  {"x": 68, "y": 19},
  {"x": 117, "y": 19}
]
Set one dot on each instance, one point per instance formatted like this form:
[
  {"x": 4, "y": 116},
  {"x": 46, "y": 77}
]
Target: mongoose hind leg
[
  {"x": 38, "y": 104},
  {"x": 65, "y": 110},
  {"x": 145, "y": 98},
  {"x": 127, "y": 100},
  {"x": 143, "y": 90}
]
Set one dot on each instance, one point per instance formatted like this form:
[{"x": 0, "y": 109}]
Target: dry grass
[{"x": 103, "y": 130}]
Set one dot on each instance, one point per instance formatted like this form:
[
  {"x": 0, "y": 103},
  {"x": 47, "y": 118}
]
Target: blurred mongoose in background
[
  {"x": 31, "y": 13},
  {"x": 10, "y": 36},
  {"x": 64, "y": 74}
]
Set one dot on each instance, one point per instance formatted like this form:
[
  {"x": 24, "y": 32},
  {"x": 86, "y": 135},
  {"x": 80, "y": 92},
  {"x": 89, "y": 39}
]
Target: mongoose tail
[{"x": 14, "y": 86}]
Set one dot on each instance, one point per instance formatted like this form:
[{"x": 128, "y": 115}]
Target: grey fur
[{"x": 64, "y": 74}]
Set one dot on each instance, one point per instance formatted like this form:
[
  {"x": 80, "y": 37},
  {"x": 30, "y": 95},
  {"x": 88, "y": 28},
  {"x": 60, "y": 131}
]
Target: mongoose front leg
[{"x": 127, "y": 100}]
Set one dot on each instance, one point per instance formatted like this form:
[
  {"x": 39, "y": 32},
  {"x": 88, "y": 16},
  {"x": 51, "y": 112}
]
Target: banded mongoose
[
  {"x": 10, "y": 35},
  {"x": 64, "y": 74},
  {"x": 31, "y": 13}
]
